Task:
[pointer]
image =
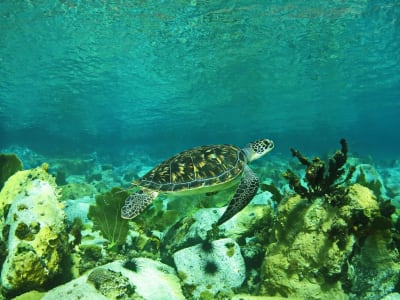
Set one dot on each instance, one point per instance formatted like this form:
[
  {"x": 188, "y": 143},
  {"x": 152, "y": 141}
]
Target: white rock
[
  {"x": 76, "y": 289},
  {"x": 191, "y": 262},
  {"x": 35, "y": 239},
  {"x": 153, "y": 281}
]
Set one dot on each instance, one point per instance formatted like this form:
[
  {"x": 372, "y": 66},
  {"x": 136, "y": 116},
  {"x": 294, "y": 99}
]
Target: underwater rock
[
  {"x": 199, "y": 227},
  {"x": 211, "y": 270},
  {"x": 251, "y": 297},
  {"x": 76, "y": 289},
  {"x": 375, "y": 269},
  {"x": 19, "y": 183},
  {"x": 29, "y": 157},
  {"x": 141, "y": 278},
  {"x": 391, "y": 179},
  {"x": 190, "y": 230},
  {"x": 76, "y": 190},
  {"x": 73, "y": 165},
  {"x": 78, "y": 208},
  {"x": 33, "y": 230},
  {"x": 392, "y": 296},
  {"x": 294, "y": 266},
  {"x": 32, "y": 295},
  {"x": 317, "y": 246},
  {"x": 361, "y": 199},
  {"x": 368, "y": 176},
  {"x": 243, "y": 224}
]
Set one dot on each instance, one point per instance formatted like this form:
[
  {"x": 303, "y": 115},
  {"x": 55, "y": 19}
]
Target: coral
[
  {"x": 327, "y": 250},
  {"x": 320, "y": 181},
  {"x": 33, "y": 229},
  {"x": 106, "y": 217},
  {"x": 19, "y": 183},
  {"x": 9, "y": 164},
  {"x": 111, "y": 284}
]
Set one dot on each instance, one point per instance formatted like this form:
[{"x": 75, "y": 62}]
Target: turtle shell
[{"x": 195, "y": 168}]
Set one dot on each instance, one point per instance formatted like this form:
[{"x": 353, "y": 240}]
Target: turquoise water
[
  {"x": 168, "y": 75},
  {"x": 103, "y": 91}
]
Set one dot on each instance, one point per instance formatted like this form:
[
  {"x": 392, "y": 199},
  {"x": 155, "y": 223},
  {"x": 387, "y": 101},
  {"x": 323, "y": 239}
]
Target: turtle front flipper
[
  {"x": 246, "y": 191},
  {"x": 136, "y": 203}
]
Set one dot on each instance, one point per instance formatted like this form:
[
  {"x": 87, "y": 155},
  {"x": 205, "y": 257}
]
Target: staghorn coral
[{"x": 320, "y": 181}]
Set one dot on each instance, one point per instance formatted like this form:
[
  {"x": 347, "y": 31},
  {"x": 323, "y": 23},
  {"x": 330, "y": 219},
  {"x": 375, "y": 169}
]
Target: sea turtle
[{"x": 205, "y": 169}]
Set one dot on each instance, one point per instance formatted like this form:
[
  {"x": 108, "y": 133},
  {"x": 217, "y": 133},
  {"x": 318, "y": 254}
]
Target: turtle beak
[{"x": 270, "y": 145}]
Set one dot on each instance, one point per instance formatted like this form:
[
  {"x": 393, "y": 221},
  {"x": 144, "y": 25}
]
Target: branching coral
[{"x": 320, "y": 181}]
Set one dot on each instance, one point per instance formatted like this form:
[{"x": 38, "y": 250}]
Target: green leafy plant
[
  {"x": 9, "y": 164},
  {"x": 106, "y": 217}
]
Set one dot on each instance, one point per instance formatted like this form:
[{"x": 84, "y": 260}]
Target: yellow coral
[
  {"x": 20, "y": 182},
  {"x": 364, "y": 199}
]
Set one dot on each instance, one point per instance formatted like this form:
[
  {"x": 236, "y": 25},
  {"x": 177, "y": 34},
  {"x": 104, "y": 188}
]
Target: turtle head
[{"x": 258, "y": 149}]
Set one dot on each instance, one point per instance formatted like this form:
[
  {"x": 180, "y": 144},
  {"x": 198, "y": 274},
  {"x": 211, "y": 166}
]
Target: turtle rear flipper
[
  {"x": 136, "y": 203},
  {"x": 246, "y": 191}
]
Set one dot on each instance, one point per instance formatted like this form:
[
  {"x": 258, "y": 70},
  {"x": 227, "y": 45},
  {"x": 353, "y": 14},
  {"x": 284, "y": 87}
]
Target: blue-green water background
[{"x": 163, "y": 76}]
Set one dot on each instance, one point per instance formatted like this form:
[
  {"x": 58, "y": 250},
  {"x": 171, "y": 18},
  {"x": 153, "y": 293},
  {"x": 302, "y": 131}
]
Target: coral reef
[
  {"x": 9, "y": 164},
  {"x": 106, "y": 217},
  {"x": 336, "y": 239},
  {"x": 327, "y": 250},
  {"x": 33, "y": 229},
  {"x": 319, "y": 180}
]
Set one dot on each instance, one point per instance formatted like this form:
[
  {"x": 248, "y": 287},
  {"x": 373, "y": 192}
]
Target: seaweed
[
  {"x": 270, "y": 187},
  {"x": 320, "y": 181},
  {"x": 106, "y": 217},
  {"x": 9, "y": 164}
]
